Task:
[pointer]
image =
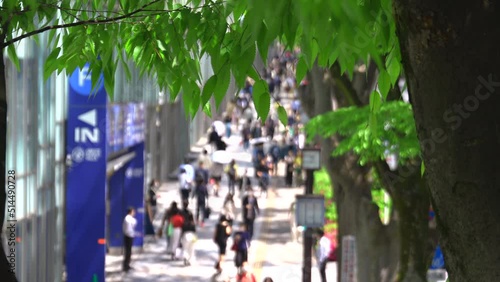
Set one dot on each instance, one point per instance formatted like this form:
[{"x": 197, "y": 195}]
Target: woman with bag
[
  {"x": 222, "y": 233},
  {"x": 165, "y": 223},
  {"x": 175, "y": 223}
]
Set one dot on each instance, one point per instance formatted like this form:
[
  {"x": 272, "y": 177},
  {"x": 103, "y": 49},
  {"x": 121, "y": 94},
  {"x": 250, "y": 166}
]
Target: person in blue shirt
[{"x": 241, "y": 240}]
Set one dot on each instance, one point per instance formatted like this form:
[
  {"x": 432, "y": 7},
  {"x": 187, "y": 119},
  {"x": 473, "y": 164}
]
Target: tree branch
[
  {"x": 91, "y": 22},
  {"x": 345, "y": 85}
]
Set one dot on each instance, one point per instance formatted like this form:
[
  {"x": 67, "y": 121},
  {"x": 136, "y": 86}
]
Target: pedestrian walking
[
  {"x": 263, "y": 175},
  {"x": 241, "y": 243},
  {"x": 205, "y": 159},
  {"x": 185, "y": 184},
  {"x": 129, "y": 224},
  {"x": 244, "y": 181},
  {"x": 201, "y": 195},
  {"x": 268, "y": 279},
  {"x": 201, "y": 173},
  {"x": 275, "y": 152},
  {"x": 231, "y": 170},
  {"x": 289, "y": 165},
  {"x": 216, "y": 175},
  {"x": 151, "y": 206},
  {"x": 250, "y": 208},
  {"x": 173, "y": 221},
  {"x": 177, "y": 221},
  {"x": 222, "y": 232},
  {"x": 322, "y": 252},
  {"x": 229, "y": 208},
  {"x": 188, "y": 235}
]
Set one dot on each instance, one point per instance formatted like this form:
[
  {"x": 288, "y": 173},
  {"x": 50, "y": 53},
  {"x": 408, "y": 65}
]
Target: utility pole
[{"x": 308, "y": 240}]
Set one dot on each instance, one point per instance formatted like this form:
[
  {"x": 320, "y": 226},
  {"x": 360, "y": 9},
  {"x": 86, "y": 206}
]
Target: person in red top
[{"x": 245, "y": 276}]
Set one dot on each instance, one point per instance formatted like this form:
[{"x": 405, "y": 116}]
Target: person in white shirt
[
  {"x": 129, "y": 233},
  {"x": 185, "y": 184},
  {"x": 322, "y": 252}
]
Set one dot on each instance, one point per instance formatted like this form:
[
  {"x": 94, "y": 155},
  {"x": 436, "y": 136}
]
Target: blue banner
[
  {"x": 133, "y": 187},
  {"x": 117, "y": 209},
  {"x": 86, "y": 178}
]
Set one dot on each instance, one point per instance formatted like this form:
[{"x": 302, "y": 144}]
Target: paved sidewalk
[{"x": 272, "y": 252}]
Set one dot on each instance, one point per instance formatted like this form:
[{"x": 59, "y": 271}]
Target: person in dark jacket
[
  {"x": 201, "y": 194},
  {"x": 250, "y": 208},
  {"x": 241, "y": 240},
  {"x": 222, "y": 233}
]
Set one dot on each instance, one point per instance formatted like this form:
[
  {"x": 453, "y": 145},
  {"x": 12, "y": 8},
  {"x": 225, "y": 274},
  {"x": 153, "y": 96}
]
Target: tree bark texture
[
  {"x": 452, "y": 65},
  {"x": 411, "y": 206},
  {"x": 357, "y": 214}
]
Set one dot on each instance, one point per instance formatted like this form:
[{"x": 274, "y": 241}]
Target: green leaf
[
  {"x": 282, "y": 115},
  {"x": 11, "y": 50},
  {"x": 51, "y": 63},
  {"x": 262, "y": 99},
  {"x": 301, "y": 69},
  {"x": 394, "y": 70},
  {"x": 375, "y": 101},
  {"x": 384, "y": 83},
  {"x": 208, "y": 89},
  {"x": 263, "y": 106},
  {"x": 207, "y": 109},
  {"x": 222, "y": 84},
  {"x": 422, "y": 169}
]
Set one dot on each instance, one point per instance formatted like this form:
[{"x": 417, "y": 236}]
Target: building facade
[{"x": 36, "y": 152}]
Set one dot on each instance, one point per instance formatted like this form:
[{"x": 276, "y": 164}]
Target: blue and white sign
[
  {"x": 438, "y": 259},
  {"x": 86, "y": 179},
  {"x": 133, "y": 189}
]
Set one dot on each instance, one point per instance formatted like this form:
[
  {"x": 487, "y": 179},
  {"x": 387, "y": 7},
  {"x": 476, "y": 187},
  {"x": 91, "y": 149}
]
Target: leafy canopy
[
  {"x": 167, "y": 39},
  {"x": 393, "y": 132}
]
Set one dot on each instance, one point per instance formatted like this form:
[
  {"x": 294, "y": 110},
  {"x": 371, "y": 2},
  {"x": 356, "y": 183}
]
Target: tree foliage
[
  {"x": 393, "y": 132},
  {"x": 167, "y": 39}
]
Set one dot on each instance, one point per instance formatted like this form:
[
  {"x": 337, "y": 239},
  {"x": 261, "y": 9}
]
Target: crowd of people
[{"x": 270, "y": 145}]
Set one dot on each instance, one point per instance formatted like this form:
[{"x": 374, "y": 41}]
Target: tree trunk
[
  {"x": 5, "y": 272},
  {"x": 411, "y": 205},
  {"x": 458, "y": 124},
  {"x": 357, "y": 214}
]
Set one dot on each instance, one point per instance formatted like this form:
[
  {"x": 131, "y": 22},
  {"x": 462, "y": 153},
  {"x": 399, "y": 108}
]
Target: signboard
[
  {"x": 310, "y": 211},
  {"x": 133, "y": 190},
  {"x": 438, "y": 259},
  {"x": 348, "y": 271},
  {"x": 126, "y": 125},
  {"x": 86, "y": 178},
  {"x": 311, "y": 159}
]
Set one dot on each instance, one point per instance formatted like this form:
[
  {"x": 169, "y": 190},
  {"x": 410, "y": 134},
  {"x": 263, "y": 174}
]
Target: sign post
[
  {"x": 311, "y": 161},
  {"x": 348, "y": 271},
  {"x": 86, "y": 178}
]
